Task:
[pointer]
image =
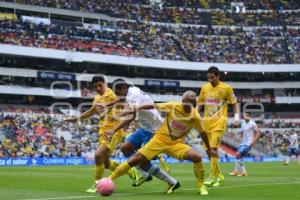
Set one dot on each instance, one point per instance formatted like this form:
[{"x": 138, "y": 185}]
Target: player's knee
[
  {"x": 127, "y": 149},
  {"x": 193, "y": 156},
  {"x": 197, "y": 158},
  {"x": 214, "y": 152},
  {"x": 98, "y": 158},
  {"x": 136, "y": 159}
]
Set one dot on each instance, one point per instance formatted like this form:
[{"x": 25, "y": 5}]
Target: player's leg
[
  {"x": 163, "y": 163},
  {"x": 124, "y": 167},
  {"x": 243, "y": 152},
  {"x": 134, "y": 142},
  {"x": 237, "y": 169},
  {"x": 139, "y": 157},
  {"x": 215, "y": 173},
  {"x": 129, "y": 147},
  {"x": 156, "y": 146},
  {"x": 100, "y": 155},
  {"x": 185, "y": 152},
  {"x": 111, "y": 164},
  {"x": 289, "y": 152},
  {"x": 154, "y": 170}
]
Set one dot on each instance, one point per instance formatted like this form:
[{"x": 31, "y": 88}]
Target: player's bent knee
[
  {"x": 136, "y": 159},
  {"x": 214, "y": 152},
  {"x": 127, "y": 148},
  {"x": 193, "y": 156}
]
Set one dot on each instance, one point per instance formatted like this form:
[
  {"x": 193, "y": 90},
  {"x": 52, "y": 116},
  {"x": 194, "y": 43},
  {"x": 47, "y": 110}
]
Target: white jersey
[
  {"x": 150, "y": 120},
  {"x": 294, "y": 141},
  {"x": 248, "y": 130}
]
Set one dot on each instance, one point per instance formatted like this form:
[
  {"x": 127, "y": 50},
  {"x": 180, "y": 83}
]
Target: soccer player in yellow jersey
[
  {"x": 180, "y": 118},
  {"x": 215, "y": 97},
  {"x": 104, "y": 99}
]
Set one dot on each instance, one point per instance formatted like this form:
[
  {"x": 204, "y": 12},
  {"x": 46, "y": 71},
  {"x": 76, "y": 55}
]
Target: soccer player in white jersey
[
  {"x": 293, "y": 148},
  {"x": 250, "y": 135},
  {"x": 150, "y": 121}
]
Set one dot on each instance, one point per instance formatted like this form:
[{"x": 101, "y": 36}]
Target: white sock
[
  {"x": 160, "y": 174},
  {"x": 236, "y": 165},
  {"x": 287, "y": 160},
  {"x": 239, "y": 165},
  {"x": 243, "y": 168}
]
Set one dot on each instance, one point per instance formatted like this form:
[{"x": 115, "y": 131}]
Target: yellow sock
[
  {"x": 120, "y": 170},
  {"x": 164, "y": 164},
  {"x": 199, "y": 173},
  {"x": 113, "y": 165},
  {"x": 99, "y": 170},
  {"x": 218, "y": 170},
  {"x": 213, "y": 167}
]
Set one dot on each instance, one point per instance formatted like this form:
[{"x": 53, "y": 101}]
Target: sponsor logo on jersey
[
  {"x": 213, "y": 101},
  {"x": 178, "y": 126}
]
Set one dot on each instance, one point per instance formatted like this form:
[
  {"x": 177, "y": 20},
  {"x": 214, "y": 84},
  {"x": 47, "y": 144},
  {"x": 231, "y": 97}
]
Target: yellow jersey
[
  {"x": 177, "y": 122},
  {"x": 215, "y": 101},
  {"x": 108, "y": 121}
]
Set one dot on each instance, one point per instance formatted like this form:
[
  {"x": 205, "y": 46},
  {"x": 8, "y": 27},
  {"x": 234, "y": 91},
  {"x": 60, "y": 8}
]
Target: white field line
[{"x": 128, "y": 194}]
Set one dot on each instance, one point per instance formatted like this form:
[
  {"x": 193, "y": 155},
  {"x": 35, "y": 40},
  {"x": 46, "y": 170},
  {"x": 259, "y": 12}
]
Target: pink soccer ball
[{"x": 105, "y": 187}]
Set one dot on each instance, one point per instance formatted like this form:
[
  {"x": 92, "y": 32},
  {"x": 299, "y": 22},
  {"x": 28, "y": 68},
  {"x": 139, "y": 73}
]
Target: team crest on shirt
[
  {"x": 178, "y": 126},
  {"x": 220, "y": 93}
]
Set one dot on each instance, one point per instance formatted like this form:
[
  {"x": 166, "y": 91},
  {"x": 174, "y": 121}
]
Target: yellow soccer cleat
[
  {"x": 219, "y": 180},
  {"x": 203, "y": 190},
  {"x": 92, "y": 189},
  {"x": 209, "y": 182}
]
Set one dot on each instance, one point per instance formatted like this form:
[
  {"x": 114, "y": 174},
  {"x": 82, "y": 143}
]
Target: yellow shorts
[
  {"x": 156, "y": 146},
  {"x": 116, "y": 139},
  {"x": 215, "y": 138}
]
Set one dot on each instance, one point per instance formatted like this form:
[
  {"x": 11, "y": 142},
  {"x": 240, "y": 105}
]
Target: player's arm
[
  {"x": 100, "y": 106},
  {"x": 199, "y": 127},
  {"x": 231, "y": 99},
  {"x": 84, "y": 115},
  {"x": 200, "y": 101},
  {"x": 128, "y": 119},
  {"x": 135, "y": 108}
]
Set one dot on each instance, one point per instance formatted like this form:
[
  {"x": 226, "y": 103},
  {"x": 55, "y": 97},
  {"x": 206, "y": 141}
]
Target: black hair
[
  {"x": 98, "y": 78},
  {"x": 214, "y": 70},
  {"x": 118, "y": 83}
]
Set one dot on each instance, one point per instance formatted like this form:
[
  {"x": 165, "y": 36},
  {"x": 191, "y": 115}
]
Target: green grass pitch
[{"x": 266, "y": 181}]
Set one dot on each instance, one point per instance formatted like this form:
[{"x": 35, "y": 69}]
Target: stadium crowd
[
  {"x": 41, "y": 135},
  {"x": 198, "y": 44}
]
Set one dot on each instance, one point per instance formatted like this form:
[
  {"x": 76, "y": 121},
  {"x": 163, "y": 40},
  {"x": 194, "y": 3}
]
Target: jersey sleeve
[
  {"x": 230, "y": 96},
  {"x": 165, "y": 107}
]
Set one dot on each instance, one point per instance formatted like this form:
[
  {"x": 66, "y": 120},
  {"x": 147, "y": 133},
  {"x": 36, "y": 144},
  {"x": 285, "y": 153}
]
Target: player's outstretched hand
[{"x": 70, "y": 119}]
